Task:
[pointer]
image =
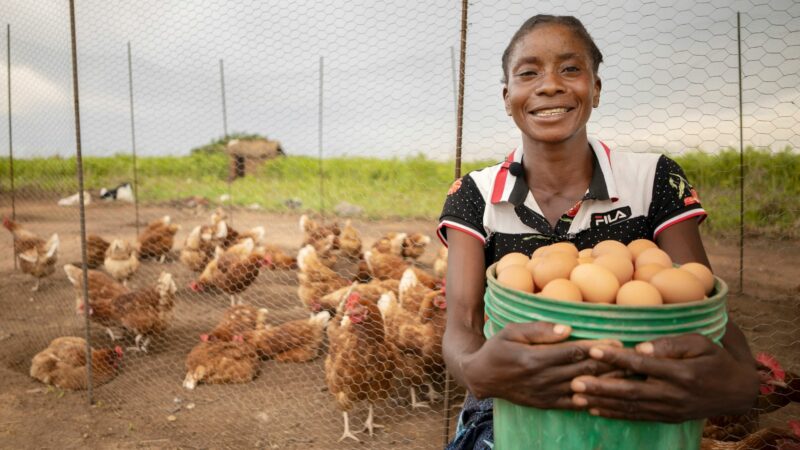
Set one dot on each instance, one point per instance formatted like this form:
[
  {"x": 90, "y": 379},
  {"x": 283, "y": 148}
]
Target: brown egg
[
  {"x": 539, "y": 252},
  {"x": 562, "y": 289},
  {"x": 702, "y": 273},
  {"x": 638, "y": 293},
  {"x": 645, "y": 273},
  {"x": 585, "y": 260},
  {"x": 532, "y": 263},
  {"x": 512, "y": 259},
  {"x": 554, "y": 265},
  {"x": 678, "y": 286},
  {"x": 653, "y": 256},
  {"x": 597, "y": 284},
  {"x": 516, "y": 277},
  {"x": 639, "y": 245},
  {"x": 585, "y": 253},
  {"x": 619, "y": 265},
  {"x": 563, "y": 247},
  {"x": 611, "y": 246}
]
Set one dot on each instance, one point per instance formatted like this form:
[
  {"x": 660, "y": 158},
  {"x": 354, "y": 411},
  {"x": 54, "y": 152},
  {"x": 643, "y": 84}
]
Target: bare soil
[{"x": 287, "y": 405}]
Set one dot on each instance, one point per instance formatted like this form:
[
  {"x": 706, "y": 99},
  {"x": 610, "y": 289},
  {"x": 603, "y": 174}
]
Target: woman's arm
[
  {"x": 688, "y": 376},
  {"x": 524, "y": 363}
]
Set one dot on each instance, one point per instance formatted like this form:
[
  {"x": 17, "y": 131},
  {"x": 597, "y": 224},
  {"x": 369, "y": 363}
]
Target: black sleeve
[
  {"x": 674, "y": 199},
  {"x": 463, "y": 210}
]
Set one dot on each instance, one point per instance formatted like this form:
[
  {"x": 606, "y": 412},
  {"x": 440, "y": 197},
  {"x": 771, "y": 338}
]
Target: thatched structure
[{"x": 247, "y": 154}]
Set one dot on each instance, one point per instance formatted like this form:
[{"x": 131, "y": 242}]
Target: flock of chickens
[{"x": 383, "y": 326}]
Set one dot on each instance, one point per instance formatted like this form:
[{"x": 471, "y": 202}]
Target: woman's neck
[{"x": 558, "y": 167}]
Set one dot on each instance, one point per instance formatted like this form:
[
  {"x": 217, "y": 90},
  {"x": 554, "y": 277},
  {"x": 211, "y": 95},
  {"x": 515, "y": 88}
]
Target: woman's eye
[
  {"x": 571, "y": 69},
  {"x": 527, "y": 73}
]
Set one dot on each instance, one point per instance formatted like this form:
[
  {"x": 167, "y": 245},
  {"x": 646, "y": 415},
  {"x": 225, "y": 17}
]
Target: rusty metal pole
[
  {"x": 79, "y": 162},
  {"x": 133, "y": 140},
  {"x": 10, "y": 141},
  {"x": 461, "y": 72},
  {"x": 741, "y": 157},
  {"x": 319, "y": 141},
  {"x": 225, "y": 138},
  {"x": 459, "y": 140}
]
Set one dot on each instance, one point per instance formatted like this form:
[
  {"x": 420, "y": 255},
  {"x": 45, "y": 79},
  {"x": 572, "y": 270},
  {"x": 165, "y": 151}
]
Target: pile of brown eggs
[{"x": 637, "y": 274}]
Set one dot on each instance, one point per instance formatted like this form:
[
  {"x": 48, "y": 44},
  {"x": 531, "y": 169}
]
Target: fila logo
[{"x": 610, "y": 217}]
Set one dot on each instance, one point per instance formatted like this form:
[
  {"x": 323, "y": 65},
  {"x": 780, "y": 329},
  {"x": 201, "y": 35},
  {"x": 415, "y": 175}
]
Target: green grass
[{"x": 409, "y": 188}]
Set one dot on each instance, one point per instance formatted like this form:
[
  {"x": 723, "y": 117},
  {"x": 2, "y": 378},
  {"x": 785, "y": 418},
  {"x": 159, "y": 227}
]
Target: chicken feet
[
  {"x": 347, "y": 433},
  {"x": 433, "y": 396},
  {"x": 415, "y": 403},
  {"x": 141, "y": 346},
  {"x": 369, "y": 425}
]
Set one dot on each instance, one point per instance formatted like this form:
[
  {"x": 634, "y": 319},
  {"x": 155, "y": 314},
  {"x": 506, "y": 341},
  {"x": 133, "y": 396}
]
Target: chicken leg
[
  {"x": 36, "y": 286},
  {"x": 347, "y": 433},
  {"x": 111, "y": 334},
  {"x": 369, "y": 425},
  {"x": 415, "y": 403},
  {"x": 140, "y": 346},
  {"x": 433, "y": 396}
]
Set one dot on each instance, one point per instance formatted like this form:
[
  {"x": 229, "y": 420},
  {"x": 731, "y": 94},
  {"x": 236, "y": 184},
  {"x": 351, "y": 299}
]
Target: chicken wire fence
[{"x": 222, "y": 140}]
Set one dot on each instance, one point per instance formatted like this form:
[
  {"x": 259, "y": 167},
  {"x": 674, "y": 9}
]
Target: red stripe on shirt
[
  {"x": 461, "y": 228},
  {"x": 608, "y": 151},
  {"x": 700, "y": 212},
  {"x": 500, "y": 179}
]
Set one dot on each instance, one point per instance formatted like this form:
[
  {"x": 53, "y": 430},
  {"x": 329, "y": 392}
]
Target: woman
[{"x": 560, "y": 185}]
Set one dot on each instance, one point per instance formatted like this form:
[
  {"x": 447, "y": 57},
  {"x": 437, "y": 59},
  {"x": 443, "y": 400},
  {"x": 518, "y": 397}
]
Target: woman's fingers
[
  {"x": 620, "y": 388},
  {"x": 635, "y": 361},
  {"x": 535, "y": 333},
  {"x": 629, "y": 409},
  {"x": 678, "y": 347}
]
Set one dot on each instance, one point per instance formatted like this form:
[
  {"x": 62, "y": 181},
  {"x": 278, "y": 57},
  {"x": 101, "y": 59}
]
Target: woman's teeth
[{"x": 550, "y": 112}]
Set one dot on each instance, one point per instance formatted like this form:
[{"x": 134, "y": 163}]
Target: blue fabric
[{"x": 475, "y": 429}]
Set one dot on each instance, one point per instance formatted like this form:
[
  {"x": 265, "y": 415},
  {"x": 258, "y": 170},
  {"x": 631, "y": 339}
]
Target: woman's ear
[
  {"x": 506, "y": 100},
  {"x": 597, "y": 88}
]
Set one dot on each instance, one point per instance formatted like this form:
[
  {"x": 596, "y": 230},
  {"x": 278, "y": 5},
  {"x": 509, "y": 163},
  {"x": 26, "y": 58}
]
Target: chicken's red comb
[
  {"x": 794, "y": 425},
  {"x": 118, "y": 351},
  {"x": 772, "y": 364},
  {"x": 352, "y": 300},
  {"x": 204, "y": 337}
]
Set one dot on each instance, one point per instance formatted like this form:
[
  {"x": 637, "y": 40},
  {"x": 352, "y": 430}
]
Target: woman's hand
[
  {"x": 687, "y": 377},
  {"x": 529, "y": 364}
]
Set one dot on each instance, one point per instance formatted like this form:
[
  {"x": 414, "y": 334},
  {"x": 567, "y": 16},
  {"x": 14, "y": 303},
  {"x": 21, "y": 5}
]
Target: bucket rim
[{"x": 720, "y": 293}]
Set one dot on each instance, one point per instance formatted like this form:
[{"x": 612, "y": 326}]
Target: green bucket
[{"x": 521, "y": 427}]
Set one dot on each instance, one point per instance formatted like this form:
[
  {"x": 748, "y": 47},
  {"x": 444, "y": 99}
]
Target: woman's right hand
[{"x": 530, "y": 364}]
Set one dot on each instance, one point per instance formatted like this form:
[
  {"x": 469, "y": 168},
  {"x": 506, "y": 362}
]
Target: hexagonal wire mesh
[{"x": 360, "y": 100}]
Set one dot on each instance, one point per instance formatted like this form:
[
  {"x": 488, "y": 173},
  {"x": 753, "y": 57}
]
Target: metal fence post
[
  {"x": 133, "y": 140},
  {"x": 79, "y": 162}
]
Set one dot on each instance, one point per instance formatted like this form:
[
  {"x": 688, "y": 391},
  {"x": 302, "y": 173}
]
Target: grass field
[{"x": 408, "y": 188}]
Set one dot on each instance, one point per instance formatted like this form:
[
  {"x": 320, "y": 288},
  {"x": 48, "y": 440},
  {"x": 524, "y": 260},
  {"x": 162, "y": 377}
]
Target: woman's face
[{"x": 551, "y": 87}]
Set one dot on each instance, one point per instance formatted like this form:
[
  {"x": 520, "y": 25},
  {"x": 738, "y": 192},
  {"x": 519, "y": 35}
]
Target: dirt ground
[{"x": 287, "y": 406}]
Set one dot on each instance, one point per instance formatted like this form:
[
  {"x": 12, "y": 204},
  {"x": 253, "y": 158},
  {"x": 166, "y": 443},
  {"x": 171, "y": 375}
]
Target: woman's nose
[{"x": 549, "y": 84}]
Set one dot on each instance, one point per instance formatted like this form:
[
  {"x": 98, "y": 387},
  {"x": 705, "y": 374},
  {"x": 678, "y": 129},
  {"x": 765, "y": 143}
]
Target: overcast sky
[{"x": 669, "y": 77}]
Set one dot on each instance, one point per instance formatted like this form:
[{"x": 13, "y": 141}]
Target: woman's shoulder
[{"x": 483, "y": 178}]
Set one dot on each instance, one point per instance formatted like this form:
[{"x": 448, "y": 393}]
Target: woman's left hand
[{"x": 687, "y": 377}]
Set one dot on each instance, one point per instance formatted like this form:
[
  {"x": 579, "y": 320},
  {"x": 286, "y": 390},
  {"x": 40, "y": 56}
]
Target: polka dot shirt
[{"x": 630, "y": 196}]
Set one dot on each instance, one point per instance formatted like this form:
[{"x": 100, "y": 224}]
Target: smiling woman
[{"x": 561, "y": 185}]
